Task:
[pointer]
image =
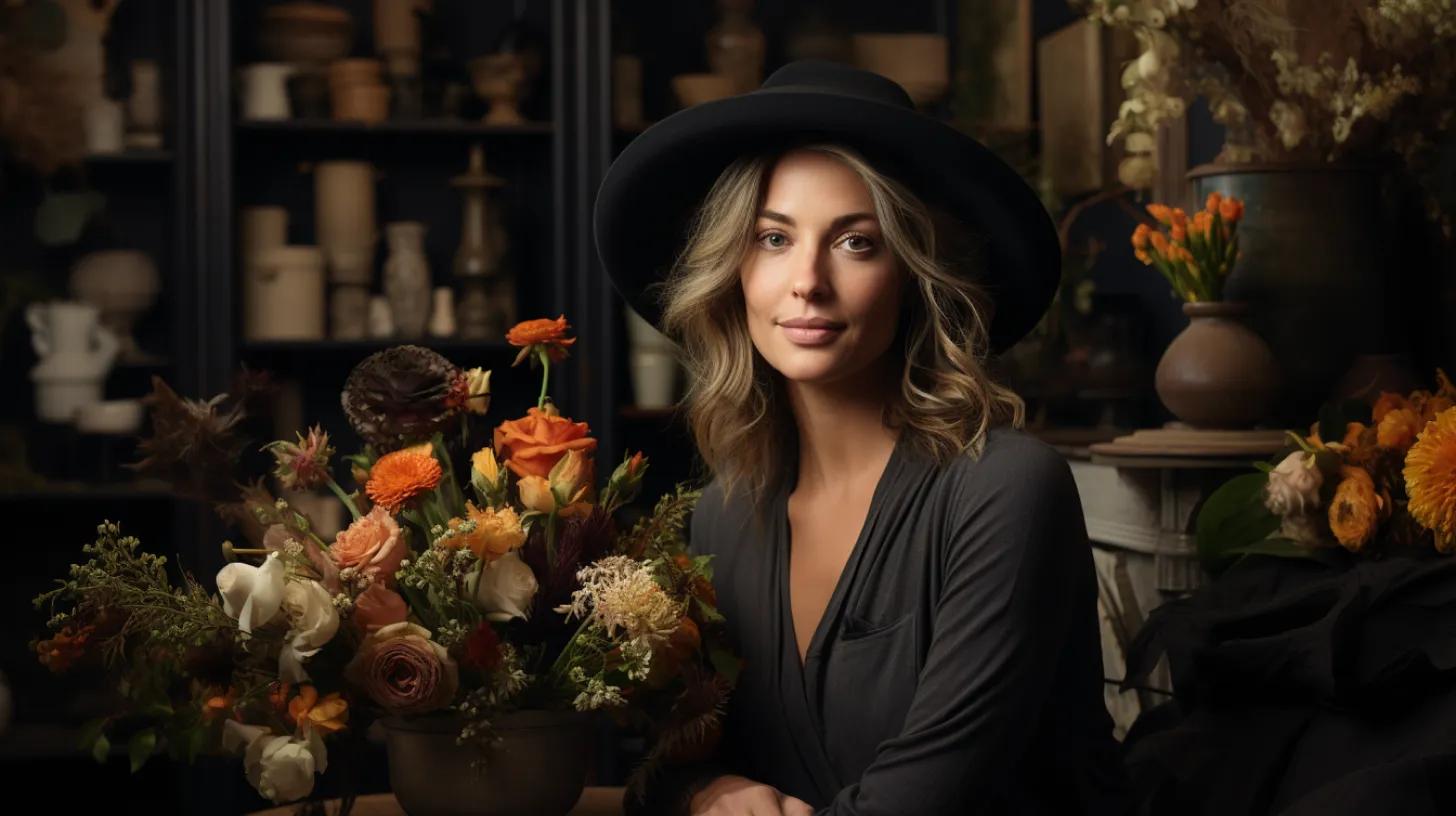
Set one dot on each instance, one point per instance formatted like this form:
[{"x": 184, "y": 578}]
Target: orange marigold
[
  {"x": 1430, "y": 480},
  {"x": 1356, "y": 509},
  {"x": 542, "y": 332},
  {"x": 400, "y": 476},
  {"x": 1398, "y": 429}
]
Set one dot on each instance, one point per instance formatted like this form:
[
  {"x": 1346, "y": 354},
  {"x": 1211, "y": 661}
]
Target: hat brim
[{"x": 654, "y": 187}]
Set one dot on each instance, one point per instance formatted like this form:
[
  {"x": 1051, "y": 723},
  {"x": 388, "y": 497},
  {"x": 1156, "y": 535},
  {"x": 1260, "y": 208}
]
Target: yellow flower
[
  {"x": 488, "y": 533},
  {"x": 329, "y": 715},
  {"x": 484, "y": 463},
  {"x": 536, "y": 494},
  {"x": 571, "y": 477},
  {"x": 1398, "y": 429},
  {"x": 1430, "y": 480},
  {"x": 1356, "y": 509}
]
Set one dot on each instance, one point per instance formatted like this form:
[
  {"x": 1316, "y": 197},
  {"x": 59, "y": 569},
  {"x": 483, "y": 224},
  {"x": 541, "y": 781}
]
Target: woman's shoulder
[{"x": 1016, "y": 473}]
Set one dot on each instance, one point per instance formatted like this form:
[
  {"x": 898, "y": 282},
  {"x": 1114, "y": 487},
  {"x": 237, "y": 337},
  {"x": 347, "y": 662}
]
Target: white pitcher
[{"x": 76, "y": 353}]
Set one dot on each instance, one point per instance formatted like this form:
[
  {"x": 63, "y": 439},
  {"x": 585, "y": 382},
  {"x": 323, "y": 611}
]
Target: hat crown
[{"x": 837, "y": 78}]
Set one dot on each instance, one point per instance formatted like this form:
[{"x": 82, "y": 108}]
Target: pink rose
[
  {"x": 372, "y": 545},
  {"x": 402, "y": 670},
  {"x": 378, "y": 607}
]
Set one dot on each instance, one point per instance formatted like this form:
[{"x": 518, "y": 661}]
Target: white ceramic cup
[{"x": 265, "y": 90}]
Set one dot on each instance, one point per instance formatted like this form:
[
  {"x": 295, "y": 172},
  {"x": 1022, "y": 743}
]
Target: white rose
[
  {"x": 313, "y": 621},
  {"x": 282, "y": 768},
  {"x": 252, "y": 595},
  {"x": 1294, "y": 485},
  {"x": 237, "y": 737},
  {"x": 504, "y": 588}
]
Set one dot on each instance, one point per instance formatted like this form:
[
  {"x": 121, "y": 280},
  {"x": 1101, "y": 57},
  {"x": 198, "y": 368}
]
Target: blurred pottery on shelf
[
  {"x": 381, "y": 321},
  {"x": 265, "y": 90},
  {"x": 284, "y": 295},
  {"x": 407, "y": 278},
  {"x": 344, "y": 217},
  {"x": 144, "y": 106},
  {"x": 105, "y": 125},
  {"x": 695, "y": 89},
  {"x": 442, "y": 312},
  {"x": 76, "y": 353},
  {"x": 918, "y": 62},
  {"x": 361, "y": 103},
  {"x": 349, "y": 312},
  {"x": 306, "y": 33},
  {"x": 118, "y": 417},
  {"x": 122, "y": 284},
  {"x": 735, "y": 46},
  {"x": 500, "y": 79}
]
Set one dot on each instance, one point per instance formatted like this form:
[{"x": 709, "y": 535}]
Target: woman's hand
[{"x": 740, "y": 796}]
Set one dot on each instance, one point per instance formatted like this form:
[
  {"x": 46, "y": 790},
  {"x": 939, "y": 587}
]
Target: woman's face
[{"x": 818, "y": 256}]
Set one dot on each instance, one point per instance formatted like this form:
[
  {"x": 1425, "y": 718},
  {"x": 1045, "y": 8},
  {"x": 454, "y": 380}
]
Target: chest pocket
[{"x": 869, "y": 679}]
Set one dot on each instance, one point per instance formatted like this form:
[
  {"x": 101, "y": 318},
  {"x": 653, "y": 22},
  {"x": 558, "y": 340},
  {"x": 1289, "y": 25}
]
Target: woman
[{"x": 905, "y": 573}]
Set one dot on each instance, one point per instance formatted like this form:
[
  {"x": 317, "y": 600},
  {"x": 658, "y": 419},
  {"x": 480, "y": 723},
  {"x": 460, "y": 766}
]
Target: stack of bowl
[{"x": 357, "y": 89}]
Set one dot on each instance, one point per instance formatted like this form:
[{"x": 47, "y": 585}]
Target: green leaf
[
  {"x": 90, "y": 732},
  {"x": 61, "y": 216},
  {"x": 725, "y": 663},
  {"x": 142, "y": 744},
  {"x": 709, "y": 613},
  {"x": 100, "y": 748},
  {"x": 196, "y": 741},
  {"x": 1232, "y": 517}
]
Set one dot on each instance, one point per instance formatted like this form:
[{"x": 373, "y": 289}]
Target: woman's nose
[{"x": 810, "y": 274}]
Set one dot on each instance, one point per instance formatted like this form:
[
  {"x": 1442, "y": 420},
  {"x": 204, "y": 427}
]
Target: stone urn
[
  {"x": 1218, "y": 373},
  {"x": 407, "y": 278},
  {"x": 76, "y": 353}
]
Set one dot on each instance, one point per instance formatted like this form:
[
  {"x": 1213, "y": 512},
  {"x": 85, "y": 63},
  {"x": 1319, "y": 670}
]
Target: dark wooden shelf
[
  {"x": 67, "y": 491},
  {"x": 131, "y": 157},
  {"x": 366, "y": 346},
  {"x": 423, "y": 127}
]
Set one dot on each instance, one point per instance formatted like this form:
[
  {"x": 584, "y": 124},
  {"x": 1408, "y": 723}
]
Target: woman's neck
[{"x": 842, "y": 435}]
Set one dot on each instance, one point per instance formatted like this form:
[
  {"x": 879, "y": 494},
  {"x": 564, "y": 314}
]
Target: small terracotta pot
[
  {"x": 346, "y": 72},
  {"x": 1218, "y": 373},
  {"x": 361, "y": 103}
]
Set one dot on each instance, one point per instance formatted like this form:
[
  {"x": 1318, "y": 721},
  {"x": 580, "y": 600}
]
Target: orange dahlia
[
  {"x": 1430, "y": 480},
  {"x": 1399, "y": 428},
  {"x": 400, "y": 476},
  {"x": 1356, "y": 509},
  {"x": 543, "y": 332}
]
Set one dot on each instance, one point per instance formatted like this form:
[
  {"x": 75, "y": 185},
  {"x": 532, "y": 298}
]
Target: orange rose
[
  {"x": 377, "y": 607},
  {"x": 532, "y": 444},
  {"x": 543, "y": 332},
  {"x": 373, "y": 545}
]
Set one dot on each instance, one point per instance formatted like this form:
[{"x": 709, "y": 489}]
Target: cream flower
[
  {"x": 282, "y": 768},
  {"x": 252, "y": 595},
  {"x": 620, "y": 593},
  {"x": 504, "y": 588},
  {"x": 1294, "y": 485},
  {"x": 313, "y": 621}
]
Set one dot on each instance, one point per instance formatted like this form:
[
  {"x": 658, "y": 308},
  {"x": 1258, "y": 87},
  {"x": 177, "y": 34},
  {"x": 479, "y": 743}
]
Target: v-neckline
[{"x": 836, "y": 598}]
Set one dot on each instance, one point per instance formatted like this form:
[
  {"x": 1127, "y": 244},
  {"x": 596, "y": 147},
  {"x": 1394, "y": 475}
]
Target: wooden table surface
[{"x": 594, "y": 802}]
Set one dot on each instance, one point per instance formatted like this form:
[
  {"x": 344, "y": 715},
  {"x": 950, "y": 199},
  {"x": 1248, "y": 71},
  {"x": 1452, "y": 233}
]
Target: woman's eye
[
  {"x": 864, "y": 244},
  {"x": 772, "y": 236}
]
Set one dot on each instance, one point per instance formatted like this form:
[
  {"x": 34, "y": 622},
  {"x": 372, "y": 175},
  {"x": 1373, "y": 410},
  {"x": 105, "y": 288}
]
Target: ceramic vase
[
  {"x": 736, "y": 46},
  {"x": 1218, "y": 373},
  {"x": 144, "y": 107},
  {"x": 344, "y": 217},
  {"x": 442, "y": 312},
  {"x": 123, "y": 285},
  {"x": 265, "y": 90},
  {"x": 284, "y": 295},
  {"x": 76, "y": 353},
  {"x": 407, "y": 278},
  {"x": 654, "y": 366},
  {"x": 538, "y": 767}
]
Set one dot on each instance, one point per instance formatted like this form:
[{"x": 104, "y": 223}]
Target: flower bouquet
[
  {"x": 1365, "y": 479},
  {"x": 449, "y": 604},
  {"x": 1195, "y": 254}
]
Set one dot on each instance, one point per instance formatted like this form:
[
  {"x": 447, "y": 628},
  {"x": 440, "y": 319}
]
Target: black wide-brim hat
[{"x": 650, "y": 193}]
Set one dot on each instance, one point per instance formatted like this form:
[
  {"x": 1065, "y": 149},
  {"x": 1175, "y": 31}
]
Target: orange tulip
[{"x": 1214, "y": 201}]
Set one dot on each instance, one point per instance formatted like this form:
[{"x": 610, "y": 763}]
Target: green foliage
[{"x": 1233, "y": 520}]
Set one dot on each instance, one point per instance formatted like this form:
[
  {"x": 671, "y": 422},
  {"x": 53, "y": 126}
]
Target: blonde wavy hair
[{"x": 736, "y": 403}]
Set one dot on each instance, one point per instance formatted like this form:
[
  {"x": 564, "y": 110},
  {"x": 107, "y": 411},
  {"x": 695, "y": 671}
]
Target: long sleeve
[{"x": 1016, "y": 573}]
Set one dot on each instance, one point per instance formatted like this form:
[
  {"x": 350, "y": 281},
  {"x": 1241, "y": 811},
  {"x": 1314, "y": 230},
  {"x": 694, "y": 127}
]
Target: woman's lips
[{"x": 804, "y": 336}]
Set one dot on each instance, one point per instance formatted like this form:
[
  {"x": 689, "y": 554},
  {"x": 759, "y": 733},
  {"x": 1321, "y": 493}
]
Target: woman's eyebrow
[{"x": 843, "y": 220}]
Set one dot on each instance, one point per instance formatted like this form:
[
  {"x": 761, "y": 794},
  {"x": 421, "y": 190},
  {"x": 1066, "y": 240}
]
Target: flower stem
[
  {"x": 345, "y": 498},
  {"x": 545, "y": 375},
  {"x": 569, "y": 647}
]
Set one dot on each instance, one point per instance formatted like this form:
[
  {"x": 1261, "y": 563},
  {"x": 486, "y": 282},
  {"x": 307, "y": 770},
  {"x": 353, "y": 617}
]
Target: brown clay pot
[{"x": 1218, "y": 373}]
